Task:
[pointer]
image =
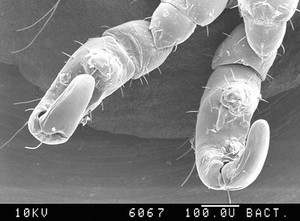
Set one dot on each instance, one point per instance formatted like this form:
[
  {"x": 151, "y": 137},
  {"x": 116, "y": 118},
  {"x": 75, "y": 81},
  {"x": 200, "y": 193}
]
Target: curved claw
[
  {"x": 220, "y": 171},
  {"x": 225, "y": 159},
  {"x": 241, "y": 172},
  {"x": 56, "y": 124}
]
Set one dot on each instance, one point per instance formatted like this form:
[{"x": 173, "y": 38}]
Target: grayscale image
[{"x": 171, "y": 101}]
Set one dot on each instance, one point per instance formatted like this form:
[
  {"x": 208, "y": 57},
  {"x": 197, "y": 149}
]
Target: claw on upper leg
[{"x": 55, "y": 123}]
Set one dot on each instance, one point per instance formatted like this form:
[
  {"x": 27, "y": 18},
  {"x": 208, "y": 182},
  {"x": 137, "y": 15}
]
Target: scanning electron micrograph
[{"x": 150, "y": 101}]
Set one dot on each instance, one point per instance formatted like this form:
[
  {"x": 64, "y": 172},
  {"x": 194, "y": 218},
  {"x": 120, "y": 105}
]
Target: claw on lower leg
[
  {"x": 242, "y": 171},
  {"x": 225, "y": 159}
]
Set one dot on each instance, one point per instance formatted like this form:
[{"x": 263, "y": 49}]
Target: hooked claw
[
  {"x": 242, "y": 171},
  {"x": 236, "y": 170},
  {"x": 56, "y": 123},
  {"x": 225, "y": 159}
]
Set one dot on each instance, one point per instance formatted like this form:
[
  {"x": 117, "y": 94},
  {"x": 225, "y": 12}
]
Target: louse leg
[
  {"x": 96, "y": 70},
  {"x": 125, "y": 52},
  {"x": 232, "y": 157},
  {"x": 231, "y": 144}
]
